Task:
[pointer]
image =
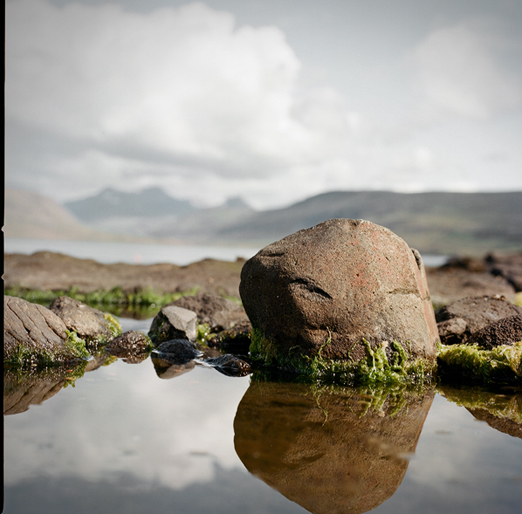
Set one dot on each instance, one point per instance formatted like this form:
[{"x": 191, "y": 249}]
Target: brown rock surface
[
  {"x": 458, "y": 322},
  {"x": 55, "y": 271},
  {"x": 344, "y": 279},
  {"x": 504, "y": 331},
  {"x": 327, "y": 452},
  {"x": 90, "y": 324}
]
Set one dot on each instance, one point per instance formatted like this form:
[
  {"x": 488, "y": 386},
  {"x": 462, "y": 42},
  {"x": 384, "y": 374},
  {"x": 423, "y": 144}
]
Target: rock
[
  {"x": 131, "y": 346},
  {"x": 504, "y": 331},
  {"x": 507, "y": 266},
  {"x": 459, "y": 321},
  {"x": 217, "y": 312},
  {"x": 90, "y": 324},
  {"x": 36, "y": 334},
  {"x": 322, "y": 290},
  {"x": 173, "y": 322},
  {"x": 230, "y": 365},
  {"x": 177, "y": 351},
  {"x": 166, "y": 370},
  {"x": 507, "y": 426},
  {"x": 234, "y": 340},
  {"x": 448, "y": 285},
  {"x": 340, "y": 452}
]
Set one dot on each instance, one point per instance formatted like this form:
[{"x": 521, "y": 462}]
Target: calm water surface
[
  {"x": 124, "y": 440},
  {"x": 109, "y": 252}
]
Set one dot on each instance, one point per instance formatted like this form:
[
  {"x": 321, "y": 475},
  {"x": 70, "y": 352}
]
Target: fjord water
[{"x": 122, "y": 439}]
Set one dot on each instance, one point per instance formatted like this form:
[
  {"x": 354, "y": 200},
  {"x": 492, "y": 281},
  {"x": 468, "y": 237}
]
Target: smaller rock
[
  {"x": 166, "y": 370},
  {"x": 507, "y": 266},
  {"x": 177, "y": 351},
  {"x": 476, "y": 313},
  {"x": 504, "y": 331},
  {"x": 131, "y": 346},
  {"x": 90, "y": 324},
  {"x": 213, "y": 310},
  {"x": 230, "y": 365},
  {"x": 173, "y": 322}
]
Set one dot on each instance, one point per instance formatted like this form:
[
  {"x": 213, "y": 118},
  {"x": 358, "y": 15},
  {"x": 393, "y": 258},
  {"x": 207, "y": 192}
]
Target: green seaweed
[
  {"x": 103, "y": 298},
  {"x": 113, "y": 324},
  {"x": 374, "y": 368},
  {"x": 501, "y": 365}
]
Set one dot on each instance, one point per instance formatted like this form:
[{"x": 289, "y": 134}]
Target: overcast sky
[{"x": 271, "y": 100}]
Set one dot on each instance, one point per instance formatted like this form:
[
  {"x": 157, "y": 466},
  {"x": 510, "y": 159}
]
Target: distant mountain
[
  {"x": 438, "y": 223},
  {"x": 33, "y": 216},
  {"x": 110, "y": 203}
]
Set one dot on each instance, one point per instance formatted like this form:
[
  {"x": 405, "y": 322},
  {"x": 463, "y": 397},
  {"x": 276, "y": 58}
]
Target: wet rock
[
  {"x": 173, "y": 322},
  {"x": 40, "y": 333},
  {"x": 217, "y": 312},
  {"x": 131, "y": 346},
  {"x": 448, "y": 285},
  {"x": 458, "y": 322},
  {"x": 326, "y": 288},
  {"x": 233, "y": 340},
  {"x": 340, "y": 451},
  {"x": 230, "y": 365},
  {"x": 504, "y": 331},
  {"x": 177, "y": 351},
  {"x": 90, "y": 324}
]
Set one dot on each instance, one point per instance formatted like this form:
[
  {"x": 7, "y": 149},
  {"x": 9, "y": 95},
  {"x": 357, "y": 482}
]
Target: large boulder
[
  {"x": 34, "y": 334},
  {"x": 331, "y": 289},
  {"x": 90, "y": 324}
]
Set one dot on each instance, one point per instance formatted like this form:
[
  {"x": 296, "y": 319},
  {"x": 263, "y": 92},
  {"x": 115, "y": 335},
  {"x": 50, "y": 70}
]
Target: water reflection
[
  {"x": 500, "y": 410},
  {"x": 332, "y": 450}
]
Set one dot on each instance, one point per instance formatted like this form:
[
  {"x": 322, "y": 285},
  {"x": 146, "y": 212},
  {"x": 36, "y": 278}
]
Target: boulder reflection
[{"x": 329, "y": 450}]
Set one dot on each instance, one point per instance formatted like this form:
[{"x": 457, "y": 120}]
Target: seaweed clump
[
  {"x": 383, "y": 364},
  {"x": 470, "y": 363}
]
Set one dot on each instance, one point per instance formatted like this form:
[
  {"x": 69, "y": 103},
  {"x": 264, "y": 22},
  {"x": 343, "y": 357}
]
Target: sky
[{"x": 270, "y": 100}]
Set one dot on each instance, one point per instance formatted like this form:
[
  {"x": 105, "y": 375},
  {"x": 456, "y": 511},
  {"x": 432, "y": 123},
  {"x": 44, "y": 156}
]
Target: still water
[
  {"x": 125, "y": 440},
  {"x": 133, "y": 253}
]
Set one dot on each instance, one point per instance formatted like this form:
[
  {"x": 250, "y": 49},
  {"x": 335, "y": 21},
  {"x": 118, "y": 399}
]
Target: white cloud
[
  {"x": 183, "y": 84},
  {"x": 460, "y": 70}
]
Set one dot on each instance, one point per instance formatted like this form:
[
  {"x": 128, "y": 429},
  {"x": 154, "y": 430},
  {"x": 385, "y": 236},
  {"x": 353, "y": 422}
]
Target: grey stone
[
  {"x": 177, "y": 351},
  {"x": 36, "y": 329},
  {"x": 173, "y": 322},
  {"x": 326, "y": 288}
]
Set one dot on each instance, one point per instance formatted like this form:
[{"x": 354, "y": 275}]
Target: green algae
[
  {"x": 470, "y": 363},
  {"x": 376, "y": 367},
  {"x": 104, "y": 298}
]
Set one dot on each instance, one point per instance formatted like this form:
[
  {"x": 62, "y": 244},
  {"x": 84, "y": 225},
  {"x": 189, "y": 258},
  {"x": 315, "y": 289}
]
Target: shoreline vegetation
[{"x": 131, "y": 300}]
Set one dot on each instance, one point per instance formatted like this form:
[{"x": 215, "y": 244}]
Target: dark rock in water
[
  {"x": 230, "y": 365},
  {"x": 131, "y": 346},
  {"x": 233, "y": 340},
  {"x": 336, "y": 452},
  {"x": 217, "y": 312},
  {"x": 173, "y": 322},
  {"x": 35, "y": 334},
  {"x": 90, "y": 324},
  {"x": 177, "y": 351},
  {"x": 461, "y": 320},
  {"x": 507, "y": 266},
  {"x": 504, "y": 331},
  {"x": 450, "y": 284},
  {"x": 322, "y": 290}
]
